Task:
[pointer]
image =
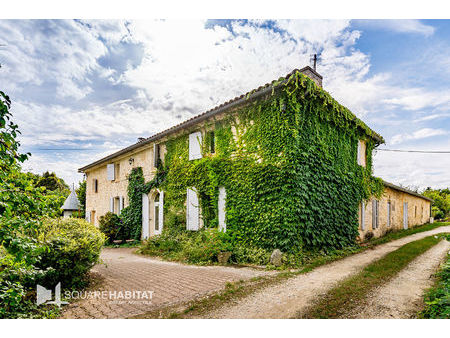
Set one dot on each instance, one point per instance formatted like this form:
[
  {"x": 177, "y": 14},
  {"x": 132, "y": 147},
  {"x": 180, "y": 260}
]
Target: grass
[
  {"x": 437, "y": 298},
  {"x": 237, "y": 290},
  {"x": 391, "y": 236},
  {"x": 348, "y": 294}
]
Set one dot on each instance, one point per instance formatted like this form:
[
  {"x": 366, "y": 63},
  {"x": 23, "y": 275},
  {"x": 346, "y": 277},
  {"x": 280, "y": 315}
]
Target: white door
[
  {"x": 405, "y": 215},
  {"x": 145, "y": 217},
  {"x": 192, "y": 210}
]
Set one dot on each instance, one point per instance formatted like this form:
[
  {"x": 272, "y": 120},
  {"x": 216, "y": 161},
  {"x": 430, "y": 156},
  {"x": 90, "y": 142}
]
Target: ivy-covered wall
[{"x": 288, "y": 164}]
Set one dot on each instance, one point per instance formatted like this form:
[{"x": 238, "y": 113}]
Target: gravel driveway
[{"x": 167, "y": 282}]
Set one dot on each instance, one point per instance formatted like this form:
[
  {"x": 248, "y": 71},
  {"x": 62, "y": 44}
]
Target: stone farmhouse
[{"x": 311, "y": 171}]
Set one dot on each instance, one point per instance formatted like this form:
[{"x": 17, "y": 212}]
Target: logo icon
[{"x": 44, "y": 296}]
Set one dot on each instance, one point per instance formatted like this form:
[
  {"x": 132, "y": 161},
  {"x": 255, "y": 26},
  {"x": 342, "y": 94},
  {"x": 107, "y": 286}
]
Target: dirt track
[{"x": 288, "y": 299}]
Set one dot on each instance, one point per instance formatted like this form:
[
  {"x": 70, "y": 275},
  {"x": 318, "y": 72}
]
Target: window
[
  {"x": 156, "y": 155},
  {"x": 415, "y": 211},
  {"x": 388, "y": 214},
  {"x": 363, "y": 215},
  {"x": 95, "y": 185},
  {"x": 375, "y": 214},
  {"x": 212, "y": 142},
  {"x": 117, "y": 172},
  {"x": 195, "y": 150},
  {"x": 116, "y": 204},
  {"x": 361, "y": 154},
  {"x": 157, "y": 212},
  {"x": 110, "y": 171}
]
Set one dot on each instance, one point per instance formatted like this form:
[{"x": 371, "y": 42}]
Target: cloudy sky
[{"x": 84, "y": 89}]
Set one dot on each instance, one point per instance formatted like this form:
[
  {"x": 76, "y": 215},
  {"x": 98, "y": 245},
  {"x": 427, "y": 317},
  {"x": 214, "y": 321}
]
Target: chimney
[{"x": 312, "y": 74}]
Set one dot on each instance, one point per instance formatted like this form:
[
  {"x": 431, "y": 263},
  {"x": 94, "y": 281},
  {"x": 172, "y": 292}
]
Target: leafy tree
[
  {"x": 53, "y": 183},
  {"x": 441, "y": 204},
  {"x": 81, "y": 194}
]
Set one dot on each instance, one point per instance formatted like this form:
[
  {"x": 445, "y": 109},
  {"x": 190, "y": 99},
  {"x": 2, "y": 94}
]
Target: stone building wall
[{"x": 418, "y": 213}]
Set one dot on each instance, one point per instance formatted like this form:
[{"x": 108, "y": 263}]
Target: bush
[
  {"x": 112, "y": 226},
  {"x": 193, "y": 247},
  {"x": 72, "y": 247}
]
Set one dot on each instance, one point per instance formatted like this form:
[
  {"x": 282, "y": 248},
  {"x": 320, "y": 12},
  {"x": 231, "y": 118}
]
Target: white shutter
[
  {"x": 221, "y": 207},
  {"x": 161, "y": 210},
  {"x": 192, "y": 210},
  {"x": 363, "y": 216},
  {"x": 111, "y": 204},
  {"x": 120, "y": 204},
  {"x": 195, "y": 149},
  {"x": 359, "y": 153},
  {"x": 110, "y": 171},
  {"x": 145, "y": 218},
  {"x": 88, "y": 216},
  {"x": 388, "y": 214}
]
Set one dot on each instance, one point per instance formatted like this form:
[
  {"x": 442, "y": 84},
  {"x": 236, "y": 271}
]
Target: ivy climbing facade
[{"x": 284, "y": 166}]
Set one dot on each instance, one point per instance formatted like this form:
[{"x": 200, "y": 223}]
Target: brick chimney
[{"x": 312, "y": 74}]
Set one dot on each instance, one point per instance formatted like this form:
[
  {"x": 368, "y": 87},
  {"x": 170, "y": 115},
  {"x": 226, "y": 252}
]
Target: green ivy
[{"x": 288, "y": 163}]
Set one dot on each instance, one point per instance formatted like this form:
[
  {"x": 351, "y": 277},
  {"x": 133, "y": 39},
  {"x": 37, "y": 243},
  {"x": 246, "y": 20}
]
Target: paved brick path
[{"x": 171, "y": 283}]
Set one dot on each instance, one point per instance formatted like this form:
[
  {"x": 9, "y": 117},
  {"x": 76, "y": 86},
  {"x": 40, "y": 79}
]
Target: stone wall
[{"x": 418, "y": 213}]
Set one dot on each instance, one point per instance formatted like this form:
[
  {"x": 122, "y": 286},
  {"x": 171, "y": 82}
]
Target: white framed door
[
  {"x": 405, "y": 215},
  {"x": 145, "y": 217}
]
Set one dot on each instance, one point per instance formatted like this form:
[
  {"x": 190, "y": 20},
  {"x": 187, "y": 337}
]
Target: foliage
[
  {"x": 113, "y": 227},
  {"x": 289, "y": 167},
  {"x": 437, "y": 299},
  {"x": 52, "y": 183},
  {"x": 441, "y": 202},
  {"x": 72, "y": 247},
  {"x": 9, "y": 145},
  {"x": 32, "y": 252},
  {"x": 192, "y": 247},
  {"x": 81, "y": 195}
]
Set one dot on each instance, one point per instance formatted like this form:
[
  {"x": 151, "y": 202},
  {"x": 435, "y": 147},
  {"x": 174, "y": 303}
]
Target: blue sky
[{"x": 82, "y": 89}]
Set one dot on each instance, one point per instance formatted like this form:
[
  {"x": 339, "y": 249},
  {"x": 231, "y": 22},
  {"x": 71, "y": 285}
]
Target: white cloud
[
  {"x": 399, "y": 26},
  {"x": 417, "y": 135},
  {"x": 186, "y": 69}
]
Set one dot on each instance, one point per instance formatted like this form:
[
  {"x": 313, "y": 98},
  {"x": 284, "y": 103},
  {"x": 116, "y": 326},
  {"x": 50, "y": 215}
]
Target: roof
[
  {"x": 71, "y": 202},
  {"x": 396, "y": 187},
  {"x": 237, "y": 101}
]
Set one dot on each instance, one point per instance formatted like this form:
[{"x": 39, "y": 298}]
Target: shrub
[
  {"x": 193, "y": 247},
  {"x": 368, "y": 236},
  {"x": 72, "y": 247},
  {"x": 112, "y": 226}
]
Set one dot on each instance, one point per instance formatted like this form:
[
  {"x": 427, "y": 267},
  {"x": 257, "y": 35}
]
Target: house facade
[{"x": 284, "y": 165}]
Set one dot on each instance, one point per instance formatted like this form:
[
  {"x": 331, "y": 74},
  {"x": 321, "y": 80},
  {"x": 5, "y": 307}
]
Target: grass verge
[
  {"x": 437, "y": 299},
  {"x": 348, "y": 294}
]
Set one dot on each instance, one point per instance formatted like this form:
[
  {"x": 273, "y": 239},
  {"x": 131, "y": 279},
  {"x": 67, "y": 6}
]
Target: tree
[
  {"x": 53, "y": 183},
  {"x": 441, "y": 201},
  {"x": 81, "y": 194}
]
